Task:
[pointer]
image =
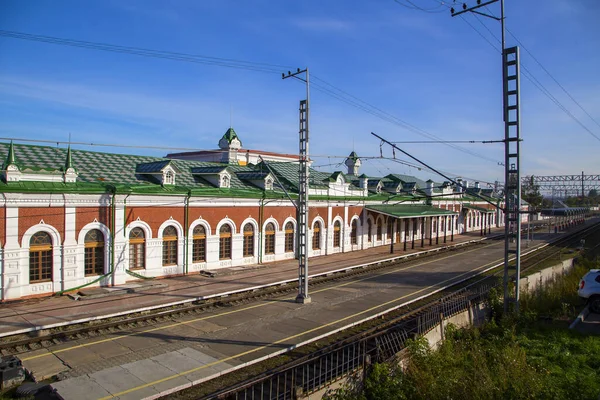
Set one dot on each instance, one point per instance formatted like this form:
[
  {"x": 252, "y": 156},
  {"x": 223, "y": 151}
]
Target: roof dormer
[
  {"x": 163, "y": 171},
  {"x": 217, "y": 175},
  {"x": 262, "y": 179}
]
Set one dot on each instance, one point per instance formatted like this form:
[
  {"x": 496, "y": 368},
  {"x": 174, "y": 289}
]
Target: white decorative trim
[
  {"x": 202, "y": 222},
  {"x": 170, "y": 222},
  {"x": 56, "y": 241},
  {"x": 138, "y": 223},
  {"x": 274, "y": 221},
  {"x": 226, "y": 220},
  {"x": 289, "y": 219}
]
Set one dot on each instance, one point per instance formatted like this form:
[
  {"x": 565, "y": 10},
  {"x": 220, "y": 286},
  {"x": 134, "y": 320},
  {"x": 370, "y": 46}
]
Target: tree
[{"x": 530, "y": 192}]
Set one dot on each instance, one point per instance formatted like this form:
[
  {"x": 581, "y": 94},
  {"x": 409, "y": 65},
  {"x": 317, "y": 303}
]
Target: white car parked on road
[{"x": 589, "y": 289}]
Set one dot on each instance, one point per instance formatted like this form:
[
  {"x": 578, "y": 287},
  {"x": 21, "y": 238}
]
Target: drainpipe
[
  {"x": 3, "y": 294},
  {"x": 125, "y": 213},
  {"x": 186, "y": 220},
  {"x": 112, "y": 233},
  {"x": 261, "y": 212}
]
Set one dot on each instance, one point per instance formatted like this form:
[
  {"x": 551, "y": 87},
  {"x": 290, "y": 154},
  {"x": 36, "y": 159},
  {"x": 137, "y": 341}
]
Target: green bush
[{"x": 508, "y": 358}]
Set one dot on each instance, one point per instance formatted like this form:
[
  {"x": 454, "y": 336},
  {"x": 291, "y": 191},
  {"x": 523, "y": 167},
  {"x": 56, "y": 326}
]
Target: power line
[
  {"x": 229, "y": 63},
  {"x": 530, "y": 76},
  {"x": 548, "y": 73},
  {"x": 379, "y": 113},
  {"x": 169, "y": 55},
  {"x": 413, "y": 6}
]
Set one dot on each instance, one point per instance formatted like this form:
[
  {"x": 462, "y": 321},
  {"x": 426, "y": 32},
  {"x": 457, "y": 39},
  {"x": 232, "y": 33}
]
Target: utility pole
[
  {"x": 303, "y": 173},
  {"x": 512, "y": 171}
]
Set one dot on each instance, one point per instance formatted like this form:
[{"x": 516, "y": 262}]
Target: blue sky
[{"x": 426, "y": 68}]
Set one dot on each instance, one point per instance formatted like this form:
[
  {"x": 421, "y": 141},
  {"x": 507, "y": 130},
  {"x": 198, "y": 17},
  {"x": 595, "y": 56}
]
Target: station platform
[
  {"x": 25, "y": 316},
  {"x": 154, "y": 361}
]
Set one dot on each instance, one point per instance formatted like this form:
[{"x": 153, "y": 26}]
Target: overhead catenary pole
[
  {"x": 303, "y": 174},
  {"x": 512, "y": 175}
]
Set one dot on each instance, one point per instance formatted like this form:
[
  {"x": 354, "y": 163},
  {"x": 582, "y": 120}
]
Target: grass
[{"x": 534, "y": 356}]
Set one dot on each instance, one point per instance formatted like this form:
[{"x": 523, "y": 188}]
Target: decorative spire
[
  {"x": 10, "y": 159},
  {"x": 353, "y": 163},
  {"x": 230, "y": 140},
  {"x": 69, "y": 161}
]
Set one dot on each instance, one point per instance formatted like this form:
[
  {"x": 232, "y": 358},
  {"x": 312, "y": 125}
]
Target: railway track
[
  {"x": 380, "y": 341},
  {"x": 17, "y": 344},
  {"x": 14, "y": 345}
]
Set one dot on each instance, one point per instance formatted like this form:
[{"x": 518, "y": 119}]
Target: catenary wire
[{"x": 225, "y": 62}]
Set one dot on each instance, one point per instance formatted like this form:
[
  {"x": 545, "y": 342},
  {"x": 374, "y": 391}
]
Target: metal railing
[{"x": 321, "y": 369}]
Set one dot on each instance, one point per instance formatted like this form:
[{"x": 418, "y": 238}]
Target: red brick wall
[
  {"x": 85, "y": 215},
  {"x": 54, "y": 216},
  {"x": 315, "y": 212},
  {"x": 352, "y": 211},
  {"x": 214, "y": 215},
  {"x": 280, "y": 214},
  {"x": 154, "y": 216}
]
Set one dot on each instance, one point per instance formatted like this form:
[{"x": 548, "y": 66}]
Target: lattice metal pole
[
  {"x": 303, "y": 296},
  {"x": 512, "y": 161},
  {"x": 303, "y": 177}
]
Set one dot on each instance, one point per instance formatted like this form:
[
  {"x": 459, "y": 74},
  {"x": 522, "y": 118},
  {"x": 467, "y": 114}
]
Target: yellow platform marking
[
  {"x": 242, "y": 309},
  {"x": 189, "y": 371}
]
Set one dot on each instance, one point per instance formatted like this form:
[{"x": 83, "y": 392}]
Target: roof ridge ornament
[{"x": 10, "y": 158}]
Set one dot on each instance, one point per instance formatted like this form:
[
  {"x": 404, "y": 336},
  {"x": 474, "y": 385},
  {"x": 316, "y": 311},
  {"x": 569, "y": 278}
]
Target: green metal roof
[
  {"x": 230, "y": 135},
  {"x": 409, "y": 210}
]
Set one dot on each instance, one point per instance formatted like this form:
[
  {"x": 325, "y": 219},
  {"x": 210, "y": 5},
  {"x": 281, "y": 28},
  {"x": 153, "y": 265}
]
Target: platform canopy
[
  {"x": 477, "y": 208},
  {"x": 409, "y": 210}
]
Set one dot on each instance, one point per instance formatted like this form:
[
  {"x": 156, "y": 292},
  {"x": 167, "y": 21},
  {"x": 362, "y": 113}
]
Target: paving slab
[
  {"x": 151, "y": 371},
  {"x": 176, "y": 361},
  {"x": 150, "y": 340},
  {"x": 44, "y": 367},
  {"x": 109, "y": 349},
  {"x": 117, "y": 379},
  {"x": 80, "y": 388},
  {"x": 78, "y": 355},
  {"x": 205, "y": 326}
]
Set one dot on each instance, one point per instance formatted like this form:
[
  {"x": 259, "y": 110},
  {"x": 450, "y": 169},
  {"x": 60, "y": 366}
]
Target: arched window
[
  {"x": 354, "y": 232},
  {"x": 199, "y": 244},
  {"x": 169, "y": 178},
  {"x": 270, "y": 238},
  {"x": 40, "y": 258},
  {"x": 390, "y": 227},
  {"x": 225, "y": 242},
  {"x": 170, "y": 246},
  {"x": 379, "y": 230},
  {"x": 337, "y": 233},
  {"x": 248, "y": 240},
  {"x": 316, "y": 239},
  {"x": 137, "y": 249},
  {"x": 369, "y": 231},
  {"x": 94, "y": 252},
  {"x": 444, "y": 224},
  {"x": 225, "y": 181},
  {"x": 289, "y": 237}
]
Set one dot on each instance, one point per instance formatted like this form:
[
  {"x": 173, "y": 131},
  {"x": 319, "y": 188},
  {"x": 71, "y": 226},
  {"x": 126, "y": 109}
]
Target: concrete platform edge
[{"x": 200, "y": 298}]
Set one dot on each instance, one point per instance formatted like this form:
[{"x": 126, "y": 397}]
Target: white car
[{"x": 589, "y": 289}]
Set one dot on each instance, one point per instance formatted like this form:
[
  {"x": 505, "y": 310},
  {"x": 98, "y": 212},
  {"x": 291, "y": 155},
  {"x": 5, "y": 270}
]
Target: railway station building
[{"x": 73, "y": 217}]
